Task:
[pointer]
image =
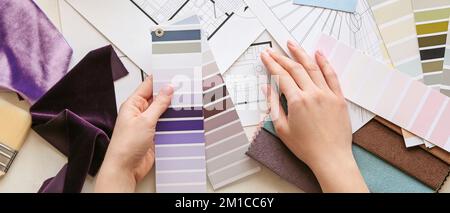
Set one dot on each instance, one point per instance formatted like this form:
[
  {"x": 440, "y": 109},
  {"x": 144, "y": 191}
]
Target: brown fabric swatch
[
  {"x": 439, "y": 153},
  {"x": 436, "y": 151},
  {"x": 271, "y": 152},
  {"x": 414, "y": 161}
]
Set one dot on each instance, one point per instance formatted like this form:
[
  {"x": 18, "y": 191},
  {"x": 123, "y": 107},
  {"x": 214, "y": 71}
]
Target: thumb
[{"x": 159, "y": 104}]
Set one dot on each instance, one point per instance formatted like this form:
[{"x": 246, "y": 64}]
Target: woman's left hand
[{"x": 131, "y": 154}]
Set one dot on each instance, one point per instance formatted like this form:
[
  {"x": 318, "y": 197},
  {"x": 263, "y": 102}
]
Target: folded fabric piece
[
  {"x": 388, "y": 145},
  {"x": 382, "y": 177},
  {"x": 77, "y": 117},
  {"x": 33, "y": 54},
  {"x": 379, "y": 175}
]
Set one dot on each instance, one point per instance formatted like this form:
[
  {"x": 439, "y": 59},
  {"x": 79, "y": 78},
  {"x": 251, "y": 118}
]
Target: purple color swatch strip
[
  {"x": 179, "y": 125},
  {"x": 191, "y": 177},
  {"x": 185, "y": 138},
  {"x": 182, "y": 188},
  {"x": 180, "y": 140},
  {"x": 180, "y": 151},
  {"x": 183, "y": 113},
  {"x": 185, "y": 164}
]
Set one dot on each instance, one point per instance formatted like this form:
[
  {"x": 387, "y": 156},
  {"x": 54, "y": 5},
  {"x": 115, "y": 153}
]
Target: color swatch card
[
  {"x": 389, "y": 93},
  {"x": 445, "y": 87},
  {"x": 226, "y": 141},
  {"x": 180, "y": 133},
  {"x": 342, "y": 5},
  {"x": 395, "y": 20},
  {"x": 432, "y": 18}
]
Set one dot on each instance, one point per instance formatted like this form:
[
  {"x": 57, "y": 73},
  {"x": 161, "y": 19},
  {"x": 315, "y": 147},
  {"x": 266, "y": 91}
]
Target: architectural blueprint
[
  {"x": 244, "y": 81},
  {"x": 305, "y": 24},
  {"x": 133, "y": 19},
  {"x": 213, "y": 14}
]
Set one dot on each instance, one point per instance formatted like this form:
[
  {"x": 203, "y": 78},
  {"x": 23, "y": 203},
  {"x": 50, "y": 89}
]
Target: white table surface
[{"x": 38, "y": 160}]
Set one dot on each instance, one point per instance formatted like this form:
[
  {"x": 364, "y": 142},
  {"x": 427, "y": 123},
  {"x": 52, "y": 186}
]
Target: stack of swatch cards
[
  {"x": 200, "y": 134},
  {"x": 415, "y": 35}
]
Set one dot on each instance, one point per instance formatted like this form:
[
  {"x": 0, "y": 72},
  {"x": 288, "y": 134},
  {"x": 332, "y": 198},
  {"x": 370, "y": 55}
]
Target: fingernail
[
  {"x": 270, "y": 50},
  {"x": 292, "y": 43},
  {"x": 167, "y": 90},
  {"x": 319, "y": 52},
  {"x": 264, "y": 53}
]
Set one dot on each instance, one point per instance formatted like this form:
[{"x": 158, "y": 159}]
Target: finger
[
  {"x": 159, "y": 105},
  {"x": 277, "y": 113},
  {"x": 300, "y": 55},
  {"x": 145, "y": 90},
  {"x": 296, "y": 70},
  {"x": 287, "y": 85},
  {"x": 329, "y": 74}
]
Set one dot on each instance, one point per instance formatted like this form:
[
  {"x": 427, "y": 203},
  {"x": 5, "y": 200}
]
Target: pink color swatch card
[{"x": 390, "y": 94}]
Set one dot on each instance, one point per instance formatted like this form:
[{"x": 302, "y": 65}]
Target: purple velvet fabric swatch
[
  {"x": 77, "y": 117},
  {"x": 270, "y": 151},
  {"x": 33, "y": 54}
]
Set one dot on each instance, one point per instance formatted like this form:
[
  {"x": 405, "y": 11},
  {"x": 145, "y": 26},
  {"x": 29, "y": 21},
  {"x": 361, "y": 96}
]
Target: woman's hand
[
  {"x": 131, "y": 154},
  {"x": 317, "y": 127}
]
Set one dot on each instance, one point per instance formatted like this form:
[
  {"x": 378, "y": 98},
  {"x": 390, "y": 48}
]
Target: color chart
[
  {"x": 445, "y": 87},
  {"x": 390, "y": 94},
  {"x": 180, "y": 139},
  {"x": 226, "y": 141},
  {"x": 431, "y": 18},
  {"x": 395, "y": 20}
]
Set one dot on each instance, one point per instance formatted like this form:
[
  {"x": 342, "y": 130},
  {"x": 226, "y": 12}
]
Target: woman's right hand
[{"x": 317, "y": 128}]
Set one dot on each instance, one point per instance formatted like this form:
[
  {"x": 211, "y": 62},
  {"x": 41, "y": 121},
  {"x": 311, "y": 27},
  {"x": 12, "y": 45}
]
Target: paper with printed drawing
[
  {"x": 245, "y": 78},
  {"x": 227, "y": 23}
]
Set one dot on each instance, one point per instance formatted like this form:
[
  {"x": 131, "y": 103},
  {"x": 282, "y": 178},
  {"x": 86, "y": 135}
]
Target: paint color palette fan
[
  {"x": 226, "y": 141},
  {"x": 200, "y": 135},
  {"x": 390, "y": 94},
  {"x": 395, "y": 20},
  {"x": 415, "y": 35},
  {"x": 180, "y": 139}
]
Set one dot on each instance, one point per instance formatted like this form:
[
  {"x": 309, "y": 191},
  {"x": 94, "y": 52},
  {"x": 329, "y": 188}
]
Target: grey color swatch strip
[
  {"x": 181, "y": 35},
  {"x": 177, "y": 48},
  {"x": 434, "y": 79}
]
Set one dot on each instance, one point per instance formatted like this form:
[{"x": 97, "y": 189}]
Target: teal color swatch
[{"x": 341, "y": 5}]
